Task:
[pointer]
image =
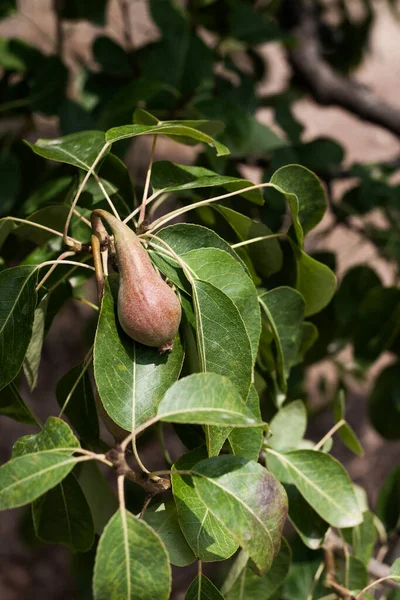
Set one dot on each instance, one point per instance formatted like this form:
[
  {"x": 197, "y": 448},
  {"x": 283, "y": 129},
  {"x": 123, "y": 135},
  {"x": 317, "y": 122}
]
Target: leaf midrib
[{"x": 16, "y": 301}]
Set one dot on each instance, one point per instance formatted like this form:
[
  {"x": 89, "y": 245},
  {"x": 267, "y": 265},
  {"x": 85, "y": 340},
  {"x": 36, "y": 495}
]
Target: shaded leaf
[
  {"x": 81, "y": 407},
  {"x": 17, "y": 310},
  {"x": 384, "y": 403},
  {"x": 308, "y": 524},
  {"x": 171, "y": 177},
  {"x": 131, "y": 378},
  {"x": 208, "y": 538},
  {"x": 247, "y": 500},
  {"x": 266, "y": 254},
  {"x": 250, "y": 585},
  {"x": 63, "y": 516},
  {"x": 94, "y": 485},
  {"x": 305, "y": 196},
  {"x": 346, "y": 432},
  {"x": 202, "y": 588},
  {"x": 12, "y": 405},
  {"x": 315, "y": 282},
  {"x": 388, "y": 506},
  {"x": 164, "y": 520},
  {"x": 128, "y": 555},
  {"x": 284, "y": 308},
  {"x": 363, "y": 538}
]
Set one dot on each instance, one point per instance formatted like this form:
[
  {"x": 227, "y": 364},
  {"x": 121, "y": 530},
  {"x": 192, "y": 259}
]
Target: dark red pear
[{"x": 149, "y": 311}]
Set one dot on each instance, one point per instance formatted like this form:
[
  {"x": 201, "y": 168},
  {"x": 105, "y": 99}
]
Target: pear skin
[{"x": 149, "y": 311}]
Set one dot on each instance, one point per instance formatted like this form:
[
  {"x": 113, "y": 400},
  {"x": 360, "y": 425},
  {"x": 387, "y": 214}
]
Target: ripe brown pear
[{"x": 149, "y": 311}]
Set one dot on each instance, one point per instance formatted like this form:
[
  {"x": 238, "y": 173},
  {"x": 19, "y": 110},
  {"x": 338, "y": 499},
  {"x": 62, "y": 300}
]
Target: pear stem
[{"x": 66, "y": 239}]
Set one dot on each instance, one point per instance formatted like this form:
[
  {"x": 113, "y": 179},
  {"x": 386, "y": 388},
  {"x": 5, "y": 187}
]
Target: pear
[{"x": 149, "y": 311}]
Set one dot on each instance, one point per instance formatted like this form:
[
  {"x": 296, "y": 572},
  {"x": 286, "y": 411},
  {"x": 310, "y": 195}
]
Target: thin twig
[
  {"x": 139, "y": 208},
  {"x": 330, "y": 433},
  {"x": 54, "y": 266},
  {"x": 180, "y": 211},
  {"x": 86, "y": 363},
  {"x": 147, "y": 182},
  {"x": 65, "y": 262},
  {"x": 107, "y": 197}
]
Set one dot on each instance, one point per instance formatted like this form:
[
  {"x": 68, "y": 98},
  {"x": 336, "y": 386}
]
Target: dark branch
[{"x": 326, "y": 85}]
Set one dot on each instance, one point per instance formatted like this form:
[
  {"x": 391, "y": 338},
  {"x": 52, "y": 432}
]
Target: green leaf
[
  {"x": 55, "y": 434},
  {"x": 354, "y": 287},
  {"x": 94, "y": 485},
  {"x": 127, "y": 131},
  {"x": 77, "y": 149},
  {"x": 34, "y": 350},
  {"x": 171, "y": 177},
  {"x": 164, "y": 520},
  {"x": 346, "y": 432},
  {"x": 183, "y": 238},
  {"x": 395, "y": 569},
  {"x": 324, "y": 484},
  {"x": 266, "y": 254},
  {"x": 128, "y": 556},
  {"x": 48, "y": 86},
  {"x": 363, "y": 538},
  {"x": 207, "y": 537},
  {"x": 206, "y": 398},
  {"x": 377, "y": 324},
  {"x": 132, "y": 384},
  {"x": 25, "y": 478},
  {"x": 288, "y": 426},
  {"x": 305, "y": 196},
  {"x": 247, "y": 500},
  {"x": 314, "y": 280},
  {"x": 81, "y": 407},
  {"x": 63, "y": 516},
  {"x": 247, "y": 442},
  {"x": 355, "y": 575},
  {"x": 388, "y": 506},
  {"x": 143, "y": 117},
  {"x": 50, "y": 216},
  {"x": 250, "y": 585},
  {"x": 284, "y": 308},
  {"x": 308, "y": 524},
  {"x": 222, "y": 340},
  {"x": 12, "y": 405},
  {"x": 202, "y": 588},
  {"x": 17, "y": 310},
  {"x": 221, "y": 270},
  {"x": 384, "y": 403}
]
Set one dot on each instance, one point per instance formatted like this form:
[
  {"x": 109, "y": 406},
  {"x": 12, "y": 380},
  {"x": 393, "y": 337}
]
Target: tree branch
[{"x": 326, "y": 85}]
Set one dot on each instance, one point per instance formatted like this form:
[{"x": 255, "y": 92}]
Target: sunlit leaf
[
  {"x": 324, "y": 484},
  {"x": 207, "y": 537},
  {"x": 77, "y": 149},
  {"x": 202, "y": 588},
  {"x": 206, "y": 398},
  {"x": 131, "y": 378},
  {"x": 247, "y": 500},
  {"x": 128, "y": 555}
]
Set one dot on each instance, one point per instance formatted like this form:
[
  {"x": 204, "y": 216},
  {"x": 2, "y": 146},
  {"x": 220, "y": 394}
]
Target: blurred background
[{"x": 314, "y": 83}]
